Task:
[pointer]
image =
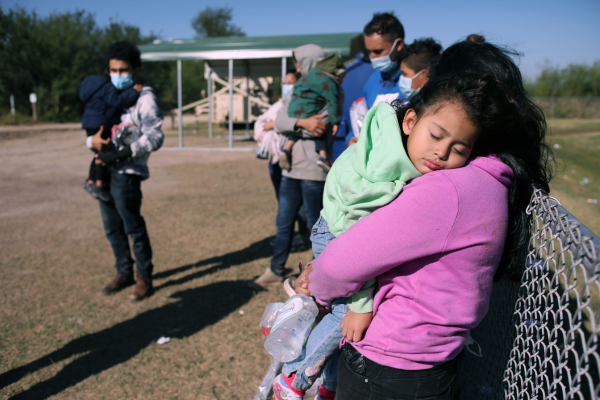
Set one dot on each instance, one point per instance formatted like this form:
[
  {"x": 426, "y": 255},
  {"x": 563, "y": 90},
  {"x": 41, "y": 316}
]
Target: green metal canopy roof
[{"x": 243, "y": 48}]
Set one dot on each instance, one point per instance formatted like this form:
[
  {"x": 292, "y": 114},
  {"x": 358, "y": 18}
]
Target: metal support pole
[
  {"x": 231, "y": 103},
  {"x": 179, "y": 103},
  {"x": 247, "y": 107},
  {"x": 283, "y": 69},
  {"x": 210, "y": 104}
]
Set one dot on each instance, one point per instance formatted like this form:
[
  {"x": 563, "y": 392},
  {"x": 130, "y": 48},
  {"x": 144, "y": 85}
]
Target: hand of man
[
  {"x": 109, "y": 157},
  {"x": 354, "y": 325},
  {"x": 334, "y": 130},
  {"x": 352, "y": 140},
  {"x": 313, "y": 124},
  {"x": 269, "y": 125},
  {"x": 97, "y": 142}
]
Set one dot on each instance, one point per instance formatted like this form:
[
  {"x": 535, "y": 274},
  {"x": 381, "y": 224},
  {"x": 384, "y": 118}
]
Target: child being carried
[{"x": 319, "y": 89}]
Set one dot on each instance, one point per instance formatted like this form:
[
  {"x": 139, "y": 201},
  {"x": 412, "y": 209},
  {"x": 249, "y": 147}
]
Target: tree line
[
  {"x": 575, "y": 80},
  {"x": 51, "y": 55}
]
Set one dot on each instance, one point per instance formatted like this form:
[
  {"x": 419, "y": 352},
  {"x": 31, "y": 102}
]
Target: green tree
[
  {"x": 51, "y": 56},
  {"x": 216, "y": 22},
  {"x": 573, "y": 80}
]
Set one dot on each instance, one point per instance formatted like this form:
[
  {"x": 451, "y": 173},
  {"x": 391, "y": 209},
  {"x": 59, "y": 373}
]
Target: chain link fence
[
  {"x": 539, "y": 339},
  {"x": 569, "y": 107}
]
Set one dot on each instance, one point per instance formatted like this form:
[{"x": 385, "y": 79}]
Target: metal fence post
[
  {"x": 179, "y": 103},
  {"x": 231, "y": 103},
  {"x": 210, "y": 101}
]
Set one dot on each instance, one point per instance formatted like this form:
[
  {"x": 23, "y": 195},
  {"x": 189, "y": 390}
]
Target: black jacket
[{"x": 104, "y": 104}]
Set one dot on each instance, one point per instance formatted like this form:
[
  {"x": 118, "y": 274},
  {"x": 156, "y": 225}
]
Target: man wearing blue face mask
[
  {"x": 384, "y": 41},
  {"x": 128, "y": 162}
]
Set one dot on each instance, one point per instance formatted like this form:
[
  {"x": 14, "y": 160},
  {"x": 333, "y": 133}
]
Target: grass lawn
[{"x": 576, "y": 146}]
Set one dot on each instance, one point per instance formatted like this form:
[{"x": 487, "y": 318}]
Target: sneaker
[
  {"x": 267, "y": 279},
  {"x": 281, "y": 390},
  {"x": 285, "y": 160},
  {"x": 98, "y": 193},
  {"x": 324, "y": 163},
  {"x": 325, "y": 394}
]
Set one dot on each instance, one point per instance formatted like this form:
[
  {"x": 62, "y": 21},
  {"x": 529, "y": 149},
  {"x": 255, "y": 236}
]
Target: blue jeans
[
  {"x": 293, "y": 193},
  {"x": 321, "y": 351},
  {"x": 320, "y": 236},
  {"x": 322, "y": 347},
  {"x": 122, "y": 219},
  {"x": 275, "y": 174}
]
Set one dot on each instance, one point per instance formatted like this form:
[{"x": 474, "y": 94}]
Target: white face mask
[
  {"x": 384, "y": 63},
  {"x": 286, "y": 90},
  {"x": 405, "y": 85}
]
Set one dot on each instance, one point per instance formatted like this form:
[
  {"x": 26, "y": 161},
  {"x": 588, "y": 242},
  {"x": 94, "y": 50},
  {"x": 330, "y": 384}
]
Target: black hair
[
  {"x": 125, "y": 51},
  {"x": 485, "y": 82},
  {"x": 385, "y": 24},
  {"x": 294, "y": 72},
  {"x": 421, "y": 52}
]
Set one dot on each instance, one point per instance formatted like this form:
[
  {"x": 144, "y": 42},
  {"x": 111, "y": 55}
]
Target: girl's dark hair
[
  {"x": 421, "y": 52},
  {"x": 125, "y": 51},
  {"x": 385, "y": 24},
  {"x": 486, "y": 83}
]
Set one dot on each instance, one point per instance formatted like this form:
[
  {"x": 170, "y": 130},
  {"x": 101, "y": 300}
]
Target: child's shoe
[
  {"x": 283, "y": 390},
  {"x": 285, "y": 160},
  {"x": 325, "y": 394},
  {"x": 99, "y": 193},
  {"x": 288, "y": 286},
  {"x": 324, "y": 163}
]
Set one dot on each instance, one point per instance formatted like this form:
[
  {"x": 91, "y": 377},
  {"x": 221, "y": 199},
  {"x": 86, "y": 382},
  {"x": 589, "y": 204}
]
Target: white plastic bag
[
  {"x": 358, "y": 110},
  {"x": 265, "y": 390}
]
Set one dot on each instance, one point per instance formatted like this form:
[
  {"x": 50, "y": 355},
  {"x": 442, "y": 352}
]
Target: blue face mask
[
  {"x": 121, "y": 81},
  {"x": 405, "y": 85},
  {"x": 286, "y": 90},
  {"x": 383, "y": 63}
]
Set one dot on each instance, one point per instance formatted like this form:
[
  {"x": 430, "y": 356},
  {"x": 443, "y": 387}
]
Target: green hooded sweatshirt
[{"x": 367, "y": 176}]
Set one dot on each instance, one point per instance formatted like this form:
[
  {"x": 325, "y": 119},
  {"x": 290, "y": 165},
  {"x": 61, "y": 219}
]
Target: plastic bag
[
  {"x": 358, "y": 110},
  {"x": 265, "y": 389}
]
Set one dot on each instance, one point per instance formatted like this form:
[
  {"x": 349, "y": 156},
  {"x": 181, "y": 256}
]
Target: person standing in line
[
  {"x": 304, "y": 183},
  {"x": 128, "y": 164},
  {"x": 384, "y": 40},
  {"x": 270, "y": 141}
]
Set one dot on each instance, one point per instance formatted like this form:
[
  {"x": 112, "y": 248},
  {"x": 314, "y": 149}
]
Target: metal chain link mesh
[{"x": 539, "y": 339}]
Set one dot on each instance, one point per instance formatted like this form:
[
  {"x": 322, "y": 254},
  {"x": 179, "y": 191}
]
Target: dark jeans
[
  {"x": 293, "y": 193},
  {"x": 361, "y": 378},
  {"x": 121, "y": 219},
  {"x": 275, "y": 174}
]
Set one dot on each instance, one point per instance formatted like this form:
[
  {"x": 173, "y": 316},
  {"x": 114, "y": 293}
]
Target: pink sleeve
[{"x": 416, "y": 224}]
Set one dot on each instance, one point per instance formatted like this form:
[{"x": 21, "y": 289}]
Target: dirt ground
[{"x": 210, "y": 217}]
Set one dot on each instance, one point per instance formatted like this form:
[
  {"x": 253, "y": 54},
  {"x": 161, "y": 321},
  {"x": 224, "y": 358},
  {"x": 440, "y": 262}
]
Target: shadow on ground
[
  {"x": 254, "y": 252},
  {"x": 123, "y": 341}
]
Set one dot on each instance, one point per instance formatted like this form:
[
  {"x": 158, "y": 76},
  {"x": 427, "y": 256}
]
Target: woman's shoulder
[{"x": 480, "y": 172}]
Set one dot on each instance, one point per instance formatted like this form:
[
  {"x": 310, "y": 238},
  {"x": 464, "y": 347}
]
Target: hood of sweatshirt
[
  {"x": 91, "y": 85},
  {"x": 495, "y": 167},
  {"x": 307, "y": 56}
]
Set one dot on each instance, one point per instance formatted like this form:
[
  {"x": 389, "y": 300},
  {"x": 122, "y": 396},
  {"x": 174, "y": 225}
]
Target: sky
[{"x": 550, "y": 31}]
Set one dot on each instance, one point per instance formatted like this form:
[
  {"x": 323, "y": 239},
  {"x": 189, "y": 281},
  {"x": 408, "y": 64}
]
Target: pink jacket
[{"x": 434, "y": 251}]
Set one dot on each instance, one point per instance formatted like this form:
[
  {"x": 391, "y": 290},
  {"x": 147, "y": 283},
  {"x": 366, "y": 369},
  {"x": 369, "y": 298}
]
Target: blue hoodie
[
  {"x": 104, "y": 104},
  {"x": 381, "y": 83}
]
